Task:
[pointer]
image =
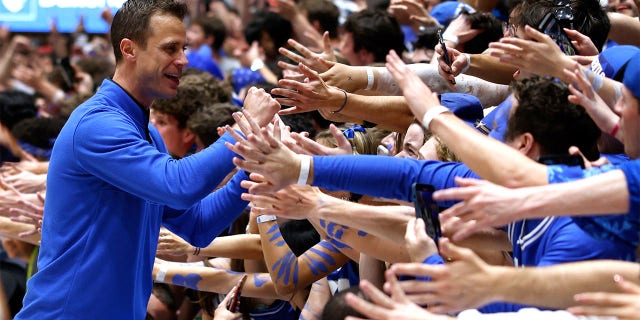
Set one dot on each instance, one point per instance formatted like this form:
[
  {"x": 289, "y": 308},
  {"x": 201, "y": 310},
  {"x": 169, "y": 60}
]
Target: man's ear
[
  {"x": 366, "y": 57},
  {"x": 188, "y": 136},
  {"x": 128, "y": 49},
  {"x": 527, "y": 143}
]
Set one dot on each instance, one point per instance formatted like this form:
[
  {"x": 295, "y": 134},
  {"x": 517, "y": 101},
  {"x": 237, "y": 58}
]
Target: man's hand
[
  {"x": 484, "y": 204},
  {"x": 623, "y": 306},
  {"x": 465, "y": 283},
  {"x": 315, "y": 61},
  {"x": 260, "y": 106}
]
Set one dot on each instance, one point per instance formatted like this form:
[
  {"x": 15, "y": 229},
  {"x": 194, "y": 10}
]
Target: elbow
[{"x": 284, "y": 290}]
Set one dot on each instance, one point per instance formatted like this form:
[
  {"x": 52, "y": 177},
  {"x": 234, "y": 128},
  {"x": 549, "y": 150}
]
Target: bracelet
[
  {"x": 305, "y": 166},
  {"x": 266, "y": 218},
  {"x": 451, "y": 38},
  {"x": 196, "y": 251},
  {"x": 370, "y": 78},
  {"x": 432, "y": 113},
  {"x": 162, "y": 273},
  {"x": 466, "y": 68},
  {"x": 614, "y": 130},
  {"x": 598, "y": 81},
  {"x": 343, "y": 104}
]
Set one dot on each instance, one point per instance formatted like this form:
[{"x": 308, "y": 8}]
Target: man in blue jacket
[{"x": 111, "y": 183}]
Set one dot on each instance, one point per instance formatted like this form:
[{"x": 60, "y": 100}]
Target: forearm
[
  {"x": 624, "y": 29},
  {"x": 580, "y": 197},
  {"x": 12, "y": 229},
  {"x": 362, "y": 242},
  {"x": 489, "y": 158},
  {"x": 240, "y": 246},
  {"x": 489, "y": 92},
  {"x": 389, "y": 222},
  {"x": 555, "y": 286},
  {"x": 258, "y": 285},
  {"x": 388, "y": 112},
  {"x": 490, "y": 69}
]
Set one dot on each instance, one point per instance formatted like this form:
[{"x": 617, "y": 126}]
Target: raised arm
[{"x": 489, "y": 158}]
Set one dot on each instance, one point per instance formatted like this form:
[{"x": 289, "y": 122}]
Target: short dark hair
[
  {"x": 132, "y": 20},
  {"x": 205, "y": 122},
  {"x": 279, "y": 29},
  {"x": 337, "y": 307},
  {"x": 212, "y": 27},
  {"x": 555, "y": 123},
  {"x": 589, "y": 18},
  {"x": 323, "y": 11},
  {"x": 375, "y": 31},
  {"x": 15, "y": 106},
  {"x": 195, "y": 90},
  {"x": 491, "y": 31}
]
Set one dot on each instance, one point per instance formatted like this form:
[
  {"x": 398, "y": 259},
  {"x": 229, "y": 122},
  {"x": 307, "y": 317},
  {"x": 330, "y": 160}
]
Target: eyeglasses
[
  {"x": 509, "y": 28},
  {"x": 563, "y": 12}
]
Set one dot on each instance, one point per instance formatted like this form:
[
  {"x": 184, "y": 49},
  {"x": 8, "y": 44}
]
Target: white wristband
[
  {"x": 370, "y": 78},
  {"x": 468, "y": 65},
  {"x": 265, "y": 218},
  {"x": 432, "y": 113},
  {"x": 305, "y": 165},
  {"x": 161, "y": 273}
]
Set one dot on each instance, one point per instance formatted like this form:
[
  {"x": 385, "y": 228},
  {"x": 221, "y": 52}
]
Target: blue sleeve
[
  {"x": 434, "y": 259},
  {"x": 631, "y": 171},
  {"x": 385, "y": 177},
  {"x": 200, "y": 224},
  {"x": 122, "y": 159}
]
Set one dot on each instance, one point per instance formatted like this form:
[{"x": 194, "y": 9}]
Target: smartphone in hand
[
  {"x": 427, "y": 209},
  {"x": 234, "y": 303},
  {"x": 552, "y": 28},
  {"x": 445, "y": 52}
]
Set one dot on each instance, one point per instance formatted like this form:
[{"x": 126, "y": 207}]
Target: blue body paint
[
  {"x": 190, "y": 280},
  {"x": 324, "y": 256},
  {"x": 259, "y": 281},
  {"x": 362, "y": 233},
  {"x": 327, "y": 245}
]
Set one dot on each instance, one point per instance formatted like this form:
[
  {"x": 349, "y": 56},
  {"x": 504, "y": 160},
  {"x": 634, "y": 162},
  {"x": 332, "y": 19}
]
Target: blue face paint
[
  {"x": 323, "y": 255},
  {"x": 362, "y": 233},
  {"x": 260, "y": 281}
]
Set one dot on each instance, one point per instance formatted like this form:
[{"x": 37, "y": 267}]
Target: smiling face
[
  {"x": 158, "y": 65},
  {"x": 627, "y": 107}
]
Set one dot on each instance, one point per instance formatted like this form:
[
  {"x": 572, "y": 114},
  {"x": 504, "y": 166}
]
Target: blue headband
[{"x": 351, "y": 131}]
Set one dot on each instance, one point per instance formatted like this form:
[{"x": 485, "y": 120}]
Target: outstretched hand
[
  {"x": 622, "y": 306},
  {"x": 311, "y": 94},
  {"x": 319, "y": 62},
  {"x": 484, "y": 204},
  {"x": 303, "y": 145},
  {"x": 419, "y": 97},
  {"x": 293, "y": 202},
  {"x": 273, "y": 166},
  {"x": 462, "y": 284},
  {"x": 396, "y": 306}
]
